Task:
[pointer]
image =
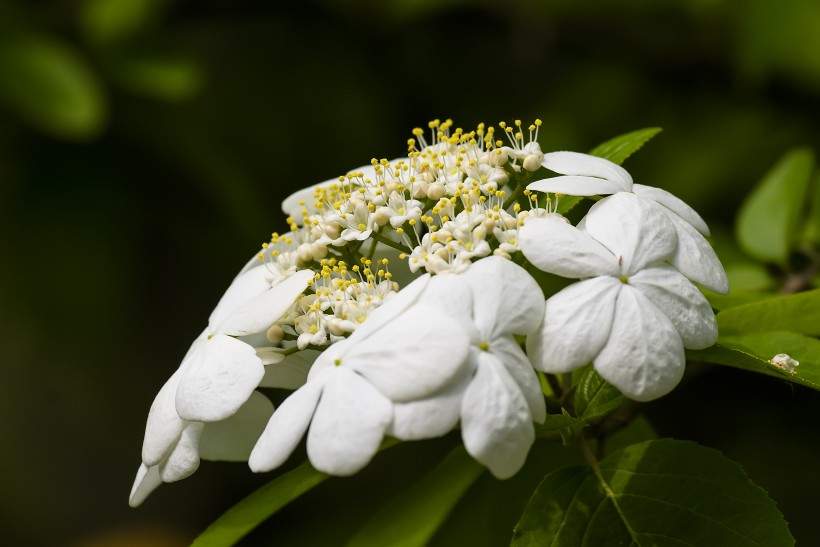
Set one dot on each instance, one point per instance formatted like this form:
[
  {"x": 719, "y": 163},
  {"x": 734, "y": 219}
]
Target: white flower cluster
[{"x": 319, "y": 311}]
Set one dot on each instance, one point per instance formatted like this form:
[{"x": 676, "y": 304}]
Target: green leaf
[
  {"x": 769, "y": 217},
  {"x": 46, "y": 83},
  {"x": 165, "y": 78},
  {"x": 662, "y": 492},
  {"x": 798, "y": 312},
  {"x": 249, "y": 513},
  {"x": 811, "y": 232},
  {"x": 111, "y": 20},
  {"x": 617, "y": 150},
  {"x": 594, "y": 397},
  {"x": 753, "y": 351},
  {"x": 566, "y": 203},
  {"x": 412, "y": 518}
]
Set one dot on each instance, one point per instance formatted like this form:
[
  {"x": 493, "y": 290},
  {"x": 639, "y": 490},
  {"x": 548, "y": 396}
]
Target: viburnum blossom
[
  {"x": 404, "y": 301},
  {"x": 632, "y": 315},
  {"x": 406, "y": 351},
  {"x": 498, "y": 396},
  {"x": 585, "y": 175}
]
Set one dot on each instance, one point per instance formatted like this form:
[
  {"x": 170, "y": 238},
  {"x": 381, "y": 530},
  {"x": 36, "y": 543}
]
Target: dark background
[{"x": 145, "y": 147}]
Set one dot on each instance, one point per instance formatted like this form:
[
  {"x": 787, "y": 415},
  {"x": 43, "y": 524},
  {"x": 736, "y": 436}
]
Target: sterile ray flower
[
  {"x": 643, "y": 304},
  {"x": 501, "y": 301},
  {"x": 405, "y": 350},
  {"x": 589, "y": 175}
]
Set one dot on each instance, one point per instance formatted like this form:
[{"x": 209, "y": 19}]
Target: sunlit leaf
[
  {"x": 46, "y": 83},
  {"x": 769, "y": 217},
  {"x": 754, "y": 351},
  {"x": 795, "y": 312},
  {"x": 662, "y": 492},
  {"x": 618, "y": 149},
  {"x": 412, "y": 518}
]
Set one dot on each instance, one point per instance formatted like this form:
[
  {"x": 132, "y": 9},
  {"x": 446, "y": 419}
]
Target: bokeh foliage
[{"x": 145, "y": 147}]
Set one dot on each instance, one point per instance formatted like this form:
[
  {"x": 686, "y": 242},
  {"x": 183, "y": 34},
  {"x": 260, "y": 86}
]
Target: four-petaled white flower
[
  {"x": 586, "y": 175},
  {"x": 632, "y": 315},
  {"x": 405, "y": 350},
  {"x": 216, "y": 379},
  {"x": 498, "y": 396}
]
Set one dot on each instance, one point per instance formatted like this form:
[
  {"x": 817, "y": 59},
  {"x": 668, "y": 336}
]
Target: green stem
[{"x": 390, "y": 243}]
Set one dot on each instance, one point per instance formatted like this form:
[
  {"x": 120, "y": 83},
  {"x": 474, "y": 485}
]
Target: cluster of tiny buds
[
  {"x": 457, "y": 196},
  {"x": 445, "y": 204},
  {"x": 339, "y": 298}
]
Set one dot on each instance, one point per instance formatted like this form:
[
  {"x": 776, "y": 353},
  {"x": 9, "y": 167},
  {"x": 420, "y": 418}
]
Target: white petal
[
  {"x": 520, "y": 369},
  {"x": 505, "y": 297},
  {"x": 496, "y": 424},
  {"x": 681, "y": 302},
  {"x": 219, "y": 381},
  {"x": 449, "y": 293},
  {"x": 164, "y": 426},
  {"x": 696, "y": 259},
  {"x": 413, "y": 356},
  {"x": 576, "y": 325},
  {"x": 644, "y": 357},
  {"x": 674, "y": 204},
  {"x": 575, "y": 163},
  {"x": 233, "y": 438},
  {"x": 433, "y": 416},
  {"x": 392, "y": 308},
  {"x": 286, "y": 427},
  {"x": 632, "y": 229},
  {"x": 268, "y": 355},
  {"x": 184, "y": 459},
  {"x": 146, "y": 482},
  {"x": 576, "y": 186},
  {"x": 349, "y": 424},
  {"x": 261, "y": 312},
  {"x": 243, "y": 289},
  {"x": 291, "y": 373},
  {"x": 555, "y": 246}
]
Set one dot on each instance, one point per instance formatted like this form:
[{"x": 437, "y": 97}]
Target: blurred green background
[{"x": 145, "y": 147}]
